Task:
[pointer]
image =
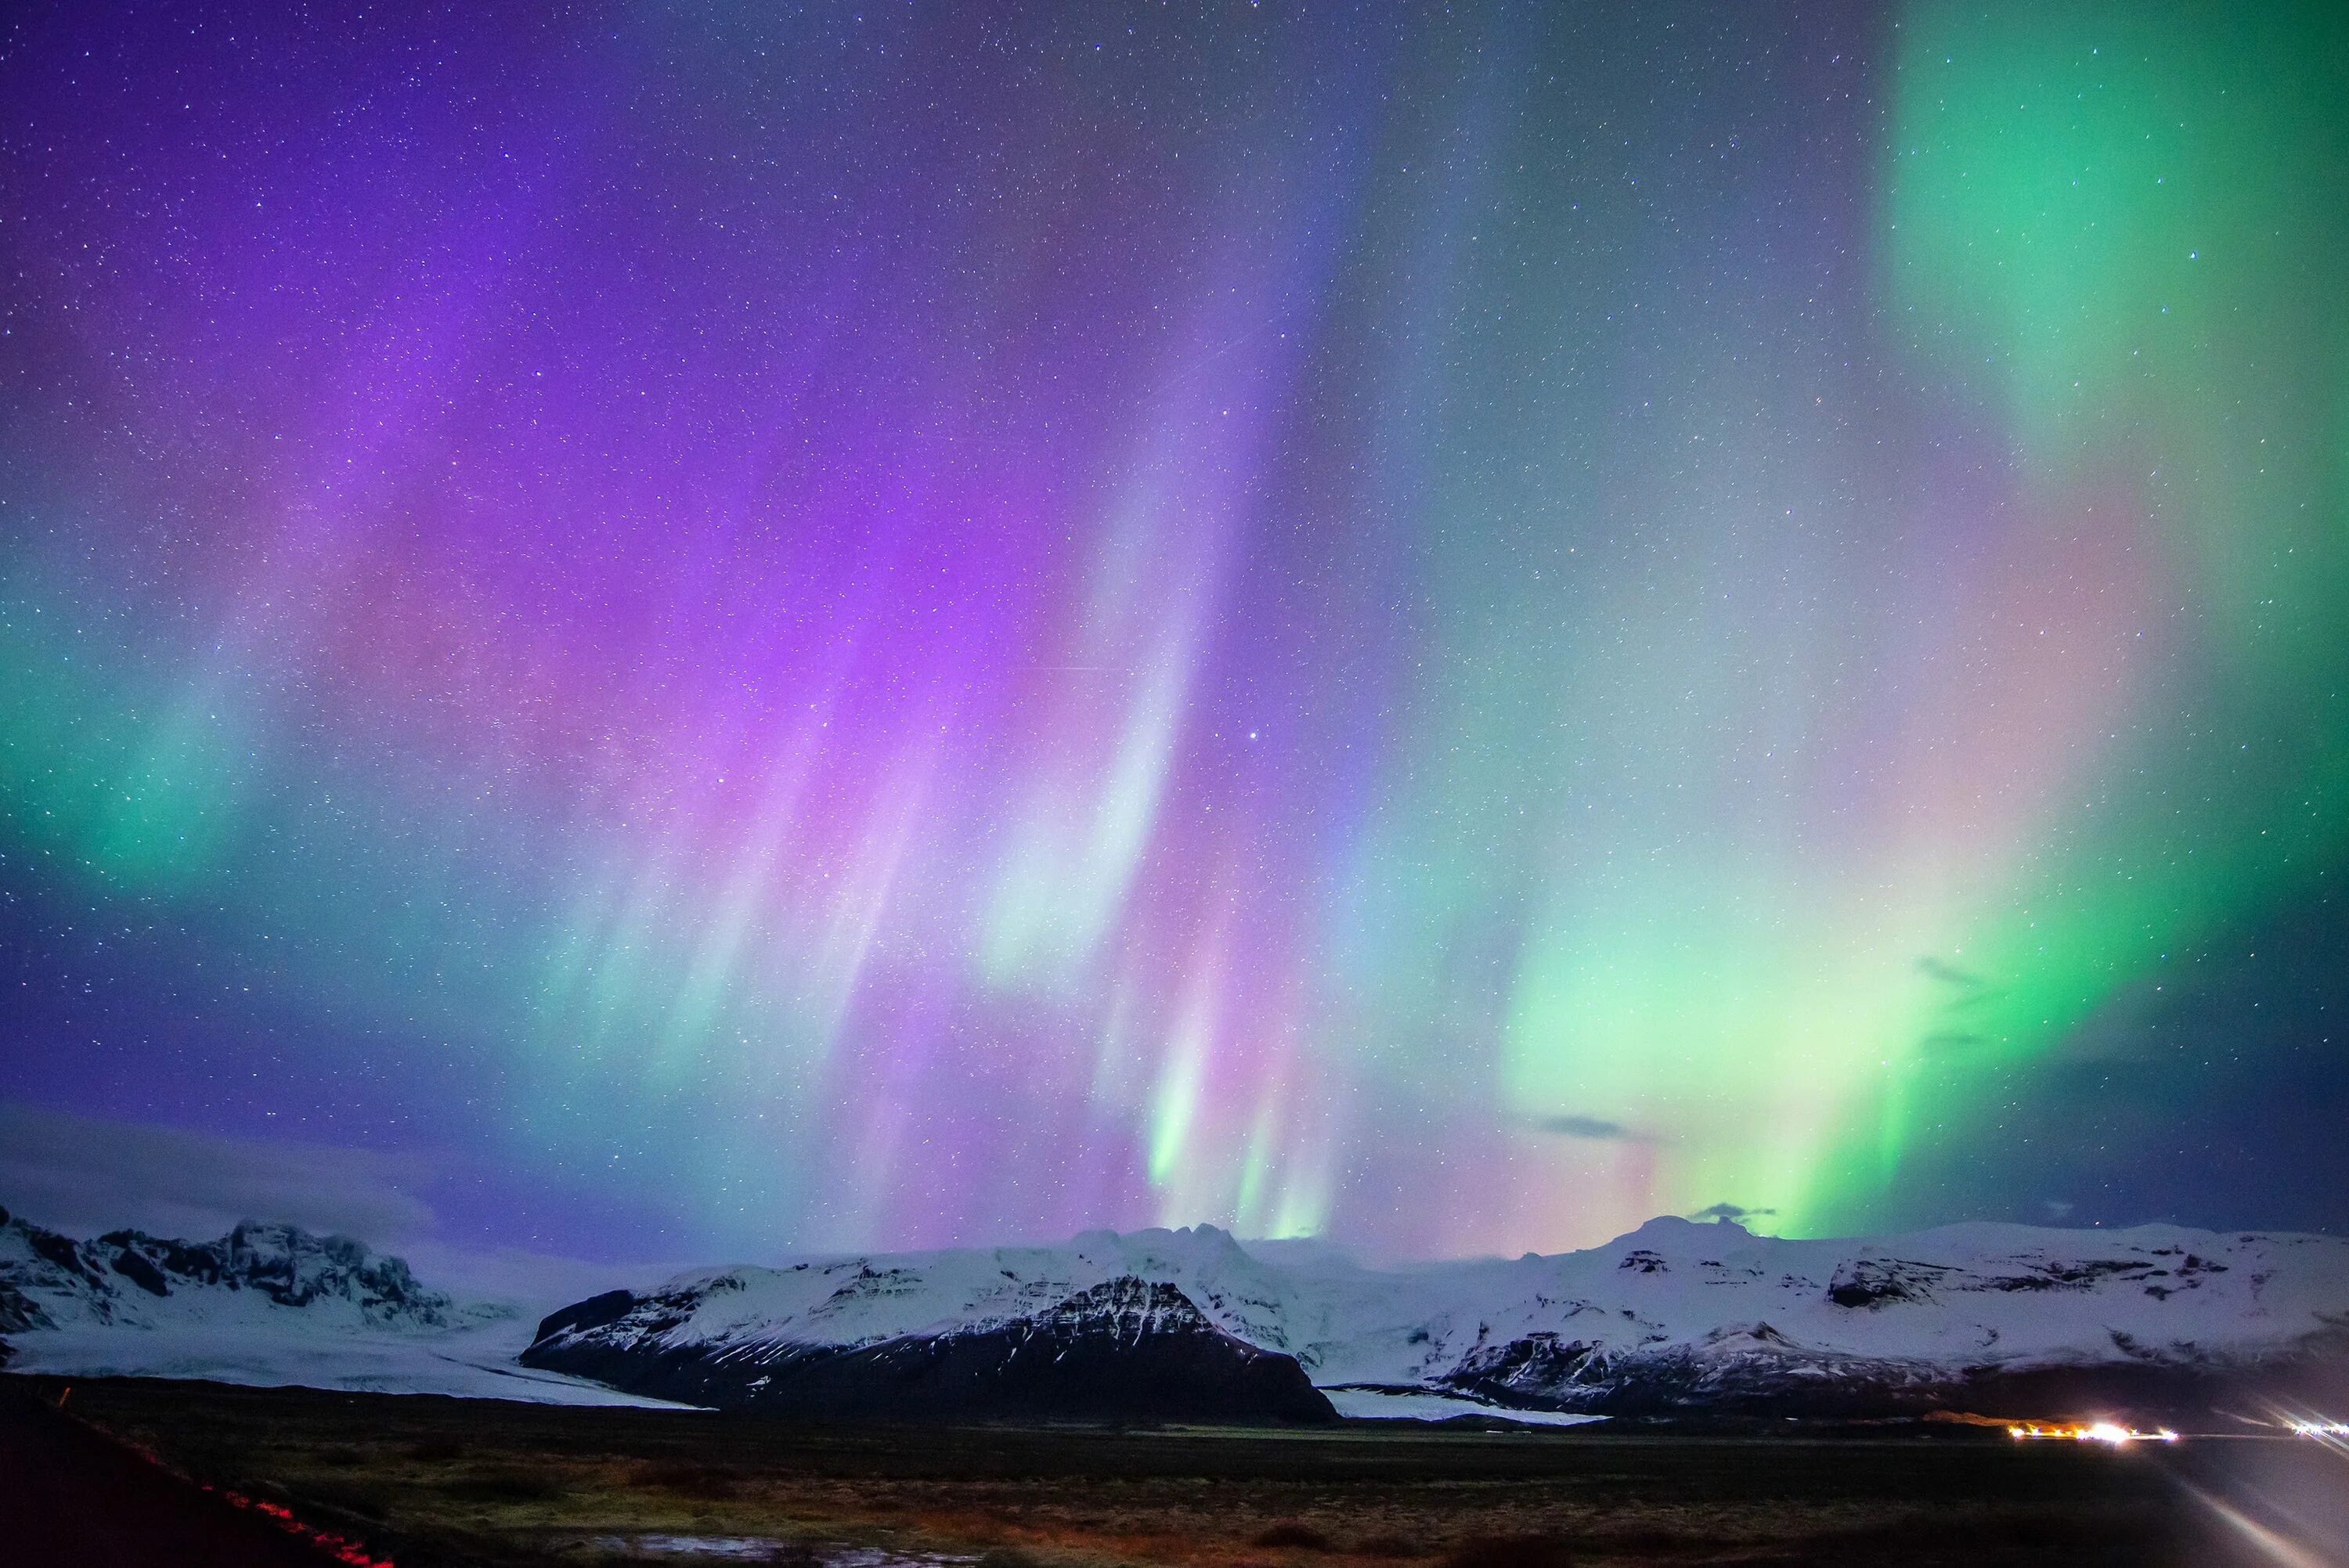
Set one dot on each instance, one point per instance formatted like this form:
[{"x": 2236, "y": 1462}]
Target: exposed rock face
[
  {"x": 1875, "y": 1282},
  {"x": 1126, "y": 1349},
  {"x": 1751, "y": 1369}
]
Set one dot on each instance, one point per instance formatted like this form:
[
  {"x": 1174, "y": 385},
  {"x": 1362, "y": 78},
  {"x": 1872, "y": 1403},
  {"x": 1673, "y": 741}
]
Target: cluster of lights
[
  {"x": 2320, "y": 1428},
  {"x": 2096, "y": 1432}
]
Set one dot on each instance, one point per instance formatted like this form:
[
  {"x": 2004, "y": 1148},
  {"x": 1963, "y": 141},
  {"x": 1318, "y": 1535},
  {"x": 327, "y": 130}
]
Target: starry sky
[{"x": 727, "y": 628}]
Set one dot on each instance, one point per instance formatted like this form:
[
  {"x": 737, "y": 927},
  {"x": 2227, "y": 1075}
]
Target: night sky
[{"x": 721, "y": 629}]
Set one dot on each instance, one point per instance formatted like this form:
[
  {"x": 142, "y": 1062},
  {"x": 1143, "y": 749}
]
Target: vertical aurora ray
[{"x": 967, "y": 623}]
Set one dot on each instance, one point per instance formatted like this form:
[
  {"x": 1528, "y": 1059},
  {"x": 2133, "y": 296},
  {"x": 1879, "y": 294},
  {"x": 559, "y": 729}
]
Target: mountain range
[{"x": 1676, "y": 1319}]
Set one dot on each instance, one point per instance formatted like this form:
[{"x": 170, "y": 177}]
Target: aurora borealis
[{"x": 1451, "y": 628}]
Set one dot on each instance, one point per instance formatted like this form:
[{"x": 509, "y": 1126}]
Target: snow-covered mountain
[
  {"x": 51, "y": 1281},
  {"x": 1191, "y": 1325},
  {"x": 1674, "y": 1316},
  {"x": 1126, "y": 1348},
  {"x": 263, "y": 1305}
]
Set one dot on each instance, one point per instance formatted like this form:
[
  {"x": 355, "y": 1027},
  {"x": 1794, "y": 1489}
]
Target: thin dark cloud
[
  {"x": 1961, "y": 994},
  {"x": 1734, "y": 1212},
  {"x": 1595, "y": 1128},
  {"x": 1948, "y": 974}
]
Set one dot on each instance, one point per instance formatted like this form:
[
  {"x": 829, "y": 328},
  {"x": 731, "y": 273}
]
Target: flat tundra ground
[{"x": 424, "y": 1481}]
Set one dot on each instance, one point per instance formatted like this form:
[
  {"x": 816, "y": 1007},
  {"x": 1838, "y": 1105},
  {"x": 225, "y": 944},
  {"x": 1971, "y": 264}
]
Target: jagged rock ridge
[{"x": 48, "y": 1280}]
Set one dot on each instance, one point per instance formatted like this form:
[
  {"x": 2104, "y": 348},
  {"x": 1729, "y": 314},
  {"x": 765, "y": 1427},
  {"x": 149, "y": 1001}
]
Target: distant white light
[{"x": 2110, "y": 1432}]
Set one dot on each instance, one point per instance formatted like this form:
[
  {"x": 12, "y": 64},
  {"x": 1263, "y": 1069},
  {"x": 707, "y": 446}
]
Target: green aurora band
[{"x": 2124, "y": 231}]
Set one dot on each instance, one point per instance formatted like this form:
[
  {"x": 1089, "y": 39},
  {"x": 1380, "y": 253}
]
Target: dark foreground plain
[{"x": 426, "y": 1481}]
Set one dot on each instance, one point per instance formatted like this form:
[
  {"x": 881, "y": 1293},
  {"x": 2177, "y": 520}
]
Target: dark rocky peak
[
  {"x": 581, "y": 1317},
  {"x": 1746, "y": 1336},
  {"x": 141, "y": 1272},
  {"x": 64, "y": 1253}
]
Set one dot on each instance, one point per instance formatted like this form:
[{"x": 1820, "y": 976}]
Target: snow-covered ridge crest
[
  {"x": 866, "y": 1299},
  {"x": 1702, "y": 1309}
]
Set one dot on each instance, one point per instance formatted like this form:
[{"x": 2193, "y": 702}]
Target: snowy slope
[
  {"x": 265, "y": 1305},
  {"x": 1681, "y": 1313}
]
